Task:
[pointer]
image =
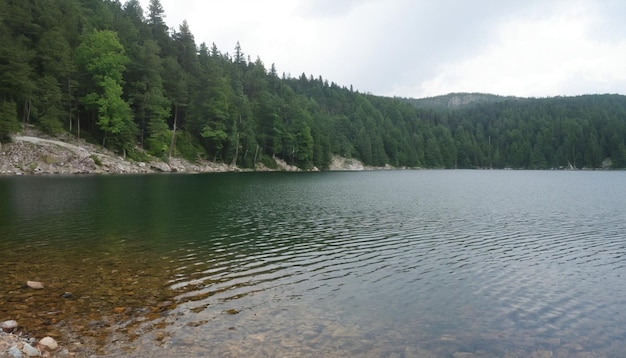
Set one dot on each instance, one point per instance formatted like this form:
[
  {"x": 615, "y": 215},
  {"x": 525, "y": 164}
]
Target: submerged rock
[
  {"x": 67, "y": 295},
  {"x": 35, "y": 285}
]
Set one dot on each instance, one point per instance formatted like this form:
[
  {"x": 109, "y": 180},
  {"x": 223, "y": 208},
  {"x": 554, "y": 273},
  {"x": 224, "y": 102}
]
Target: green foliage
[
  {"x": 114, "y": 115},
  {"x": 269, "y": 162},
  {"x": 215, "y": 137},
  {"x": 48, "y": 105},
  {"x": 102, "y": 56},
  {"x": 188, "y": 147},
  {"x": 619, "y": 158},
  {"x": 137, "y": 155},
  {"x": 96, "y": 160},
  {"x": 8, "y": 120},
  {"x": 304, "y": 148},
  {"x": 158, "y": 144}
]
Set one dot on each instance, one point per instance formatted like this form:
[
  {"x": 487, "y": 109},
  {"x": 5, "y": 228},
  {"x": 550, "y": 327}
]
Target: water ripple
[{"x": 354, "y": 261}]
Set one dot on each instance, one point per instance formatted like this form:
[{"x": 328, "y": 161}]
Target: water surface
[{"x": 390, "y": 263}]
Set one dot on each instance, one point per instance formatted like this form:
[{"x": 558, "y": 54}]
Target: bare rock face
[
  {"x": 160, "y": 166},
  {"x": 341, "y": 163}
]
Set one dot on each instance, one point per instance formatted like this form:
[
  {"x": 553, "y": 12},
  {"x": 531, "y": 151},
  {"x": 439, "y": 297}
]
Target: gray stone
[
  {"x": 67, "y": 295},
  {"x": 8, "y": 326},
  {"x": 30, "y": 350},
  {"x": 14, "y": 352}
]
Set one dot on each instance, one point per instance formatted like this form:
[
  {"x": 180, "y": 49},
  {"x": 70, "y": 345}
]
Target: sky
[{"x": 424, "y": 48}]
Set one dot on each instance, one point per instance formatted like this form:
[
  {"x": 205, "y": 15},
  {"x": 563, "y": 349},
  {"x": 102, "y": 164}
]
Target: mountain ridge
[{"x": 458, "y": 99}]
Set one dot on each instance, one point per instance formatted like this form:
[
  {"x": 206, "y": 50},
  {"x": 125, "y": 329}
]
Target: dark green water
[{"x": 394, "y": 263}]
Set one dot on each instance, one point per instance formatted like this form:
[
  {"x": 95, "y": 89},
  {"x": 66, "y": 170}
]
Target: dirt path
[{"x": 37, "y": 140}]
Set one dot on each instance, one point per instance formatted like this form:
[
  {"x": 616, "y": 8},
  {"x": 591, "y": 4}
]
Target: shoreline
[{"x": 33, "y": 153}]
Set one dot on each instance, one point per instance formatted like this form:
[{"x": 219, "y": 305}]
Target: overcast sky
[{"x": 420, "y": 48}]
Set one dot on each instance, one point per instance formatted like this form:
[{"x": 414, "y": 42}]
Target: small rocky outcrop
[
  {"x": 34, "y": 154},
  {"x": 12, "y": 344}
]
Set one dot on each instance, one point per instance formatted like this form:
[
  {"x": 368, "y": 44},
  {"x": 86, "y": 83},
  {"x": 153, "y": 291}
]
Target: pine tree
[{"x": 102, "y": 56}]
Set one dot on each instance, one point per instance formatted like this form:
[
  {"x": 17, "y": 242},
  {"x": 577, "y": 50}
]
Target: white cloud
[
  {"x": 420, "y": 48},
  {"x": 537, "y": 57}
]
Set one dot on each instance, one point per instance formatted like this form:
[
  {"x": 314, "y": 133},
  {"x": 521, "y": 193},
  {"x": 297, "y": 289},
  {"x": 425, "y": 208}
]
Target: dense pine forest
[{"x": 115, "y": 74}]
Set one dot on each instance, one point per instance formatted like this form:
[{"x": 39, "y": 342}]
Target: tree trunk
[
  {"x": 77, "y": 118},
  {"x": 26, "y": 116},
  {"x": 256, "y": 151},
  {"x": 69, "y": 100},
  {"x": 234, "y": 161},
  {"x": 169, "y": 155}
]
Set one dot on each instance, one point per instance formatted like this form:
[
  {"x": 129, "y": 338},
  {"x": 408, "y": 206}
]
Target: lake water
[{"x": 367, "y": 264}]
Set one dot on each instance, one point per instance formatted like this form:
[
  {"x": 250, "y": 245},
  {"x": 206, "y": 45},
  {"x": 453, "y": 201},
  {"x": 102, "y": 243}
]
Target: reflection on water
[{"x": 414, "y": 263}]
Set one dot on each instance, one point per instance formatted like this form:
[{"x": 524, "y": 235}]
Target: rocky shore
[
  {"x": 33, "y": 153},
  {"x": 16, "y": 343},
  {"x": 16, "y": 346}
]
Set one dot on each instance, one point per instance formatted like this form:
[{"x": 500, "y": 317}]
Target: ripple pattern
[{"x": 487, "y": 262}]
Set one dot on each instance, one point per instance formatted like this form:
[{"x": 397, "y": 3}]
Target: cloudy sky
[{"x": 423, "y": 48}]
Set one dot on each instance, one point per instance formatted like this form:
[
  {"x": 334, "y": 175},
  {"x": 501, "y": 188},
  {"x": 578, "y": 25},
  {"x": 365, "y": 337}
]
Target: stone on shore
[
  {"x": 49, "y": 343},
  {"x": 35, "y": 285},
  {"x": 14, "y": 352},
  {"x": 8, "y": 326},
  {"x": 160, "y": 166},
  {"x": 30, "y": 350}
]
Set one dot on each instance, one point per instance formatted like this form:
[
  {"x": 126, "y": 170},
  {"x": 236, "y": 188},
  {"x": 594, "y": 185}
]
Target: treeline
[
  {"x": 116, "y": 74},
  {"x": 570, "y": 132}
]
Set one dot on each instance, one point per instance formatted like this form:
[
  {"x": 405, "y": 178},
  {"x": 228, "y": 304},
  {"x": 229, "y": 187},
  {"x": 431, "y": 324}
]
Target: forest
[{"x": 115, "y": 74}]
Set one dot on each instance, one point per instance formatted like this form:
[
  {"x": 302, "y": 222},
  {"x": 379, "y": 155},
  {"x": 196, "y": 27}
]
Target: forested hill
[{"x": 115, "y": 74}]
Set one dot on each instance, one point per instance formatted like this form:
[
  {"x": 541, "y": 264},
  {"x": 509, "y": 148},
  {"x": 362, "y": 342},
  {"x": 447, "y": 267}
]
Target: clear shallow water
[{"x": 400, "y": 263}]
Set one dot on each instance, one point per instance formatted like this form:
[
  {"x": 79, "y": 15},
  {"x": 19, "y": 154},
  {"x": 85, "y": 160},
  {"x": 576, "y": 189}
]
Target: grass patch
[
  {"x": 269, "y": 162},
  {"x": 138, "y": 155},
  {"x": 96, "y": 160},
  {"x": 48, "y": 159}
]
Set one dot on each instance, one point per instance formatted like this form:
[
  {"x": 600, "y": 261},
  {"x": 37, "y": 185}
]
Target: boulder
[
  {"x": 49, "y": 343},
  {"x": 8, "y": 326}
]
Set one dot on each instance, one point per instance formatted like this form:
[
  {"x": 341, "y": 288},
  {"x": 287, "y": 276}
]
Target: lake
[{"x": 448, "y": 263}]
